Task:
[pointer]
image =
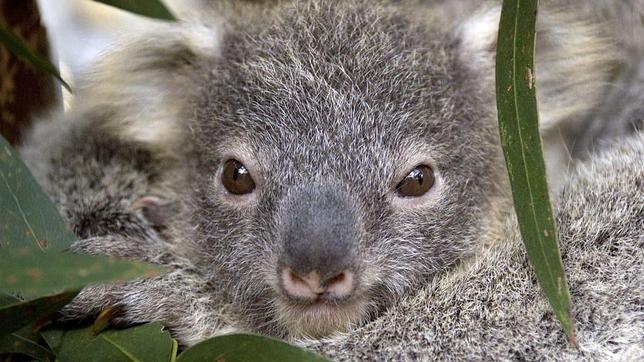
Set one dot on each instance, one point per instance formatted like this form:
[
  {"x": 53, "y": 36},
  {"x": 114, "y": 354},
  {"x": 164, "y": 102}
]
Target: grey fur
[
  {"x": 326, "y": 100},
  {"x": 490, "y": 306}
]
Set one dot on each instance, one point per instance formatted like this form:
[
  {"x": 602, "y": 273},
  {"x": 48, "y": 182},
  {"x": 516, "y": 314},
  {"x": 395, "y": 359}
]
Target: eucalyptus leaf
[
  {"x": 149, "y": 8},
  {"x": 246, "y": 347},
  {"x": 28, "y": 217},
  {"x": 33, "y": 236},
  {"x": 521, "y": 141},
  {"x": 31, "y": 272},
  {"x": 25, "y": 341},
  {"x": 15, "y": 45},
  {"x": 18, "y": 314},
  {"x": 147, "y": 342}
]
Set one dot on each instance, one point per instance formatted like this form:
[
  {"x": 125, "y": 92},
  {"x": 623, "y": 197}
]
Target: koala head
[
  {"x": 345, "y": 156},
  {"x": 344, "y": 152}
]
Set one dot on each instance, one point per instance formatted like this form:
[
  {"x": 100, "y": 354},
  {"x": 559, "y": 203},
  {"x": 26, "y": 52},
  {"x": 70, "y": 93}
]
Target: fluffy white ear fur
[
  {"x": 478, "y": 37},
  {"x": 154, "y": 76},
  {"x": 574, "y": 58}
]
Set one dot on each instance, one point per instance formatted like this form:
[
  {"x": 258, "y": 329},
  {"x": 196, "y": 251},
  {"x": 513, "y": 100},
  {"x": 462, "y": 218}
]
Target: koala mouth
[
  {"x": 320, "y": 317},
  {"x": 311, "y": 305}
]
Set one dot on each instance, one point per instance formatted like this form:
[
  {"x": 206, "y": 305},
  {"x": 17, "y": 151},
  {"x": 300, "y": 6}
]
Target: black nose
[{"x": 319, "y": 227}]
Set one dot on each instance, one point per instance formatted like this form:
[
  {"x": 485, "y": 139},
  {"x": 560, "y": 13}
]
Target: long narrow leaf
[
  {"x": 28, "y": 218},
  {"x": 520, "y": 138},
  {"x": 26, "y": 340},
  {"x": 149, "y": 8},
  {"x": 33, "y": 237},
  {"x": 17, "y": 314},
  {"x": 15, "y": 45},
  {"x": 34, "y": 273},
  {"x": 247, "y": 347},
  {"x": 147, "y": 342}
]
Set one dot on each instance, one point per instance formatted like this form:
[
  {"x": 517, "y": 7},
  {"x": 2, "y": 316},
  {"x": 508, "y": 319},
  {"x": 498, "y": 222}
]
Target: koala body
[{"x": 320, "y": 168}]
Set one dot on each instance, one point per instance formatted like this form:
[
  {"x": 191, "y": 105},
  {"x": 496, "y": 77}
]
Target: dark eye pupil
[
  {"x": 417, "y": 182},
  {"x": 236, "y": 178}
]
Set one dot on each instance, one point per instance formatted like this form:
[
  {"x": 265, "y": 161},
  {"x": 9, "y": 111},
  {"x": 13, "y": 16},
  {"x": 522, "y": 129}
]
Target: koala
[{"x": 330, "y": 173}]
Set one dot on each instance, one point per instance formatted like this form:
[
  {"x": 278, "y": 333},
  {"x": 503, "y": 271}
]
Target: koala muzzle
[{"x": 319, "y": 231}]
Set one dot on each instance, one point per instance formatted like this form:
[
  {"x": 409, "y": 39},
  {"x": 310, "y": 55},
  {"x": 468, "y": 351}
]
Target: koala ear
[
  {"x": 477, "y": 37},
  {"x": 146, "y": 83},
  {"x": 575, "y": 58}
]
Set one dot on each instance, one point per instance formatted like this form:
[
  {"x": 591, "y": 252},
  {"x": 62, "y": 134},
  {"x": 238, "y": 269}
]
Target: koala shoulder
[{"x": 490, "y": 307}]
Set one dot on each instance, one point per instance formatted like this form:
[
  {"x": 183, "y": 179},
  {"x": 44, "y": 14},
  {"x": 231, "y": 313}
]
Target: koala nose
[
  {"x": 319, "y": 230},
  {"x": 311, "y": 286}
]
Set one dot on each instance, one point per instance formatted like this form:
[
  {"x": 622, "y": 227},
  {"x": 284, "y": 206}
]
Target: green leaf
[
  {"x": 31, "y": 272},
  {"x": 25, "y": 341},
  {"x": 175, "y": 348},
  {"x": 521, "y": 141},
  {"x": 18, "y": 314},
  {"x": 246, "y": 347},
  {"x": 28, "y": 217},
  {"x": 33, "y": 236},
  {"x": 148, "y": 342},
  {"x": 150, "y": 8},
  {"x": 15, "y": 45}
]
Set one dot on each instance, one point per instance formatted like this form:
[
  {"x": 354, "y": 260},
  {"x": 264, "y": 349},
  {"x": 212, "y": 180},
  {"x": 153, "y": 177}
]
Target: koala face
[{"x": 345, "y": 157}]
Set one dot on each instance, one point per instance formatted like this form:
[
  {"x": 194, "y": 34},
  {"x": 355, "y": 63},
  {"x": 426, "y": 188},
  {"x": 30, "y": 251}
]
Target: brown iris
[
  {"x": 236, "y": 178},
  {"x": 417, "y": 182}
]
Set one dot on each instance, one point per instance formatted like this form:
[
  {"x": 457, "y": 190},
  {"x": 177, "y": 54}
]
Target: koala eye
[
  {"x": 236, "y": 178},
  {"x": 417, "y": 182}
]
